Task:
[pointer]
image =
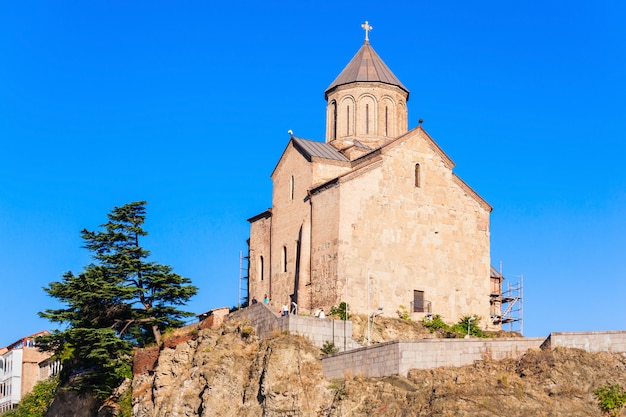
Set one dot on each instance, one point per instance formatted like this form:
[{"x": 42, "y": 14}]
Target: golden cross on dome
[{"x": 367, "y": 28}]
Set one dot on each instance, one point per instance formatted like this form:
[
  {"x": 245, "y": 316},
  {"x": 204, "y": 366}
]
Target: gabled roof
[
  {"x": 366, "y": 65},
  {"x": 310, "y": 149},
  {"x": 494, "y": 273}
]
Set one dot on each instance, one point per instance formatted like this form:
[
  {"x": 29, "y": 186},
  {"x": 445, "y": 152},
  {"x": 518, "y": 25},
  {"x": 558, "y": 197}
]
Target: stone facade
[{"x": 373, "y": 216}]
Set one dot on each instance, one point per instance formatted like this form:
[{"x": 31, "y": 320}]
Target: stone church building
[{"x": 374, "y": 215}]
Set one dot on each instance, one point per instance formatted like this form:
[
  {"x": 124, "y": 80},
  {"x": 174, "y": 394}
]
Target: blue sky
[{"x": 187, "y": 105}]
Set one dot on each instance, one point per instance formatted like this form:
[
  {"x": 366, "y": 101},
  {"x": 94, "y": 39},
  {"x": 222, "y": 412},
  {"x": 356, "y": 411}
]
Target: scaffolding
[
  {"x": 507, "y": 302},
  {"x": 243, "y": 280}
]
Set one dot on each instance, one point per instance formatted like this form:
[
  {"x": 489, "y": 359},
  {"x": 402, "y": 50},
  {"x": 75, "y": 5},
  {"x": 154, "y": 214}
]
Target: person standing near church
[
  {"x": 265, "y": 299},
  {"x": 285, "y": 310}
]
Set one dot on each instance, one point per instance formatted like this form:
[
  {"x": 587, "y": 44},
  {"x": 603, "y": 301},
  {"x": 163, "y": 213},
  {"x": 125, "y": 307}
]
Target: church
[{"x": 373, "y": 216}]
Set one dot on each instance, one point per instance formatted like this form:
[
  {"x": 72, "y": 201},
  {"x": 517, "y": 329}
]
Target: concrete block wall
[
  {"x": 261, "y": 317},
  {"x": 319, "y": 331},
  {"x": 373, "y": 361},
  {"x": 265, "y": 322},
  {"x": 398, "y": 357},
  {"x": 433, "y": 353},
  {"x": 602, "y": 341}
]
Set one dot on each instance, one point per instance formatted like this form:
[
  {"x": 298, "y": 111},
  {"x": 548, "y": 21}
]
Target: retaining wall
[
  {"x": 265, "y": 322},
  {"x": 398, "y": 357},
  {"x": 608, "y": 341}
]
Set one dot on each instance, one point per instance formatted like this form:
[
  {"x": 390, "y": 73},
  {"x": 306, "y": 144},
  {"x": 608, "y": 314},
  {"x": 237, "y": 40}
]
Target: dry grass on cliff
[
  {"x": 233, "y": 373},
  {"x": 385, "y": 329}
]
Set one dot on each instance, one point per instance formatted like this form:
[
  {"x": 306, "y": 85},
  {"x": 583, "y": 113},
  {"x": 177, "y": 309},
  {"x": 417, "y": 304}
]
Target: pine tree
[{"x": 119, "y": 301}]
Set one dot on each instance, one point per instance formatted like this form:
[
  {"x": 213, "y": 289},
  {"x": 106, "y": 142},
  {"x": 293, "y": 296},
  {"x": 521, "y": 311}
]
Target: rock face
[{"x": 229, "y": 372}]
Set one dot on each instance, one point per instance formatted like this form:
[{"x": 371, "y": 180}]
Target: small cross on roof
[{"x": 367, "y": 28}]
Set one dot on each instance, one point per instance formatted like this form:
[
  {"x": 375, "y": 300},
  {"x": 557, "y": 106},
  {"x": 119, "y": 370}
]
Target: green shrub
[
  {"x": 403, "y": 313},
  {"x": 36, "y": 402},
  {"x": 341, "y": 311},
  {"x": 611, "y": 399},
  {"x": 126, "y": 403},
  {"x": 329, "y": 348},
  {"x": 435, "y": 323},
  {"x": 338, "y": 387},
  {"x": 474, "y": 329},
  {"x": 246, "y": 331}
]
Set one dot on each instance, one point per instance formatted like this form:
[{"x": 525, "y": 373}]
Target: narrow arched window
[
  {"x": 292, "y": 185},
  {"x": 261, "y": 268},
  {"x": 284, "y": 258},
  {"x": 348, "y": 120},
  {"x": 367, "y": 119},
  {"x": 386, "y": 121},
  {"x": 334, "y": 123},
  {"x": 417, "y": 175}
]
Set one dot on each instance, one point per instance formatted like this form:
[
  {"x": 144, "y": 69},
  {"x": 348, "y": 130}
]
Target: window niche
[
  {"x": 418, "y": 301},
  {"x": 261, "y": 268},
  {"x": 417, "y": 176}
]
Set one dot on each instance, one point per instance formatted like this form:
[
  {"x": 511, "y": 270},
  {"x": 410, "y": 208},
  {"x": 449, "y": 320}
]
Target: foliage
[
  {"x": 36, "y": 402},
  {"x": 338, "y": 386},
  {"x": 474, "y": 329},
  {"x": 342, "y": 311},
  {"x": 403, "y": 313},
  {"x": 329, "y": 348},
  {"x": 611, "y": 399},
  {"x": 119, "y": 301},
  {"x": 94, "y": 360},
  {"x": 126, "y": 403},
  {"x": 246, "y": 331},
  {"x": 435, "y": 323}
]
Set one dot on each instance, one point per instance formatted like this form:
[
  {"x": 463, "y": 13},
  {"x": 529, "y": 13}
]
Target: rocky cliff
[{"x": 227, "y": 371}]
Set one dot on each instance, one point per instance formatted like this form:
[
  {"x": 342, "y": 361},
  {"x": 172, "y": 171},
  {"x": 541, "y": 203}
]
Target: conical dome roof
[{"x": 366, "y": 65}]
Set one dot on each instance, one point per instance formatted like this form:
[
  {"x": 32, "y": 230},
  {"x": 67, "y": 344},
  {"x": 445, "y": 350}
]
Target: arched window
[
  {"x": 348, "y": 120},
  {"x": 261, "y": 268},
  {"x": 367, "y": 119},
  {"x": 386, "y": 121},
  {"x": 334, "y": 121},
  {"x": 417, "y": 175},
  {"x": 292, "y": 184},
  {"x": 284, "y": 258}
]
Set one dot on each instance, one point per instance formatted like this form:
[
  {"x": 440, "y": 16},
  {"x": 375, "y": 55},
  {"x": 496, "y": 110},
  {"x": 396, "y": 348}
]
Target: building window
[
  {"x": 418, "y": 301},
  {"x": 292, "y": 185},
  {"x": 386, "y": 121},
  {"x": 284, "y": 258},
  {"x": 334, "y": 122},
  {"x": 417, "y": 175},
  {"x": 367, "y": 119},
  {"x": 348, "y": 120},
  {"x": 261, "y": 268}
]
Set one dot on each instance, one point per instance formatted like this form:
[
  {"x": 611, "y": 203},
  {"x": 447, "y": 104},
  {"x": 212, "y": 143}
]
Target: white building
[{"x": 20, "y": 370}]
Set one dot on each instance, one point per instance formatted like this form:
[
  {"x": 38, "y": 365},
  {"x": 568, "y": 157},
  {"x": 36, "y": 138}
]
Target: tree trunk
[{"x": 157, "y": 334}]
